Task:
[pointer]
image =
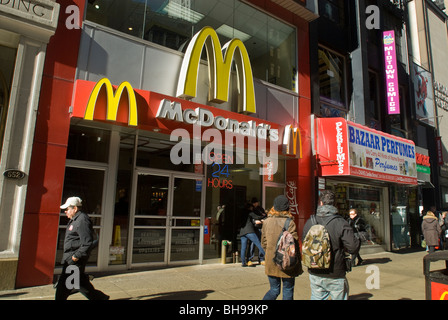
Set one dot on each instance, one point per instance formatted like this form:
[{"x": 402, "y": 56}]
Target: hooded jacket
[
  {"x": 342, "y": 240},
  {"x": 431, "y": 229}
]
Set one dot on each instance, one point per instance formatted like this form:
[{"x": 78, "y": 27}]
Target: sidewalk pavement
[{"x": 400, "y": 278}]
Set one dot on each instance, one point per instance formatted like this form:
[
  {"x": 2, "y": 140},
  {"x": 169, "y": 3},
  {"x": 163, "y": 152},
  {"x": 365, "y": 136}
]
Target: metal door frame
[{"x": 169, "y": 218}]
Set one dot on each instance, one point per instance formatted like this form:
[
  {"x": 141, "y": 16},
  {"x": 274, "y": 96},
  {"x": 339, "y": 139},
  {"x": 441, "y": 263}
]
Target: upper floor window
[
  {"x": 271, "y": 44},
  {"x": 332, "y": 86}
]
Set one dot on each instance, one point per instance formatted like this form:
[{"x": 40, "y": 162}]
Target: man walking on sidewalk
[
  {"x": 78, "y": 244},
  {"x": 331, "y": 282}
]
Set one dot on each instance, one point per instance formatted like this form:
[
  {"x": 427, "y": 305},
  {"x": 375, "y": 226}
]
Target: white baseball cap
[{"x": 72, "y": 202}]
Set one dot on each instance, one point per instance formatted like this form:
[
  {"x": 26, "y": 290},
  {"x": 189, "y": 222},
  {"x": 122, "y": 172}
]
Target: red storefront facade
[{"x": 62, "y": 111}]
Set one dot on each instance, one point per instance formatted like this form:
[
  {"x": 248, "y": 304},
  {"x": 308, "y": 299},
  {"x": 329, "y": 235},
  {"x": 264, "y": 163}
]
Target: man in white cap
[{"x": 78, "y": 244}]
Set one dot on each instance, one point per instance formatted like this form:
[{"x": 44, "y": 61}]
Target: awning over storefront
[{"x": 345, "y": 148}]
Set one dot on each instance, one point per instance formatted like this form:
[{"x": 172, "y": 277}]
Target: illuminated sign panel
[
  {"x": 219, "y": 70},
  {"x": 390, "y": 61}
]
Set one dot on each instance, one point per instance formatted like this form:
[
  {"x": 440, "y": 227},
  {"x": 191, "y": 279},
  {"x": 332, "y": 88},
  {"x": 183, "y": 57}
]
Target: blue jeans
[
  {"x": 252, "y": 237},
  {"x": 274, "y": 291},
  {"x": 325, "y": 288}
]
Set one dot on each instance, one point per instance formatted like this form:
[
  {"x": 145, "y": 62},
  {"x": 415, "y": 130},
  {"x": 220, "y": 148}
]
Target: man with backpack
[{"x": 327, "y": 273}]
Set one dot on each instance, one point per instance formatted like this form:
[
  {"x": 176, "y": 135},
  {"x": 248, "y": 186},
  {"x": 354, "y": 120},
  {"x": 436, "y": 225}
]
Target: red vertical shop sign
[{"x": 332, "y": 146}]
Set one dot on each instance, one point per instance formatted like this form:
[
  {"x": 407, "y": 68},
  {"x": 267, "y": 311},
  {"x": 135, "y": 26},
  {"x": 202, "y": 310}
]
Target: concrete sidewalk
[{"x": 400, "y": 278}]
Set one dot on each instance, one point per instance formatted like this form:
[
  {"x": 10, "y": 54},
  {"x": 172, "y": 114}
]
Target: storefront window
[
  {"x": 271, "y": 44},
  {"x": 118, "y": 245},
  {"x": 230, "y": 187},
  {"x": 405, "y": 221},
  {"x": 155, "y": 152},
  {"x": 370, "y": 206},
  {"x": 88, "y": 144}
]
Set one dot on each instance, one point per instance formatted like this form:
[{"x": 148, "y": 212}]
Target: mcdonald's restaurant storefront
[
  {"x": 179, "y": 188},
  {"x": 165, "y": 146}
]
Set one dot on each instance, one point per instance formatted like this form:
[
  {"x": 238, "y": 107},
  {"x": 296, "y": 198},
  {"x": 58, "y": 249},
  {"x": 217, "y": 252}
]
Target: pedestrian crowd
[{"x": 330, "y": 247}]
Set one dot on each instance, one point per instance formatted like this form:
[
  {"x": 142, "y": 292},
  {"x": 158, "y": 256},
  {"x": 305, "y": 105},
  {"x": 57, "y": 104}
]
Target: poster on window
[{"x": 424, "y": 95}]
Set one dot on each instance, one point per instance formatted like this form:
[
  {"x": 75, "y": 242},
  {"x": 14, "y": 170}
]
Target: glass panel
[
  {"x": 88, "y": 144},
  {"x": 187, "y": 197},
  {"x": 271, "y": 44},
  {"x": 152, "y": 194},
  {"x": 118, "y": 244},
  {"x": 148, "y": 245},
  {"x": 88, "y": 185},
  {"x": 153, "y": 152},
  {"x": 184, "y": 244},
  {"x": 369, "y": 203},
  {"x": 405, "y": 218},
  {"x": 331, "y": 78},
  {"x": 271, "y": 193}
]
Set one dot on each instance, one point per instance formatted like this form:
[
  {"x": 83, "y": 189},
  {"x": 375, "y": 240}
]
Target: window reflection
[
  {"x": 270, "y": 43},
  {"x": 332, "y": 81}
]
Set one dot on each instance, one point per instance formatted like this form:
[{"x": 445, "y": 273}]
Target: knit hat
[{"x": 281, "y": 203}]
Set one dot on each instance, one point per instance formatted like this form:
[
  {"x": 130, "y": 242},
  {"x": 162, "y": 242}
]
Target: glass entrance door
[{"x": 167, "y": 210}]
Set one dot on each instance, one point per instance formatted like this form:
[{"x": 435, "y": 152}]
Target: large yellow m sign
[
  {"x": 112, "y": 101},
  {"x": 219, "y": 70}
]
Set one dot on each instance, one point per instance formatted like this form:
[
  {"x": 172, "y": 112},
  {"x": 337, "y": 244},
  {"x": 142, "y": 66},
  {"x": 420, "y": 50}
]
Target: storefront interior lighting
[
  {"x": 179, "y": 11},
  {"x": 229, "y": 32}
]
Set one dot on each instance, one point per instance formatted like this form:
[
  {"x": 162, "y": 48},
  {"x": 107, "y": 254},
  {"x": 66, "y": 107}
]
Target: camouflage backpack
[
  {"x": 316, "y": 246},
  {"x": 286, "y": 257}
]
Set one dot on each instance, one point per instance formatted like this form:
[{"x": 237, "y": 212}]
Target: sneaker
[
  {"x": 250, "y": 264},
  {"x": 262, "y": 263}
]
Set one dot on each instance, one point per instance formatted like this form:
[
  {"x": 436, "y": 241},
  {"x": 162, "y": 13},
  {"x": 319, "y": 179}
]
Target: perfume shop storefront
[
  {"x": 158, "y": 191},
  {"x": 374, "y": 172}
]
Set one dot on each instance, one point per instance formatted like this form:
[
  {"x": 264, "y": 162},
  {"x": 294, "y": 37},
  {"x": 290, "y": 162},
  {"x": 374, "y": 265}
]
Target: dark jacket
[
  {"x": 342, "y": 239},
  {"x": 79, "y": 238},
  {"x": 248, "y": 220}
]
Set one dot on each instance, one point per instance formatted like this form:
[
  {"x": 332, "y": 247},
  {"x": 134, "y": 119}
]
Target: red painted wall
[
  {"x": 302, "y": 170},
  {"x": 41, "y": 217}
]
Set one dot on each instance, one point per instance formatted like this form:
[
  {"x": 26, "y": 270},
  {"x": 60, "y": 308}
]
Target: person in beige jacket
[
  {"x": 271, "y": 230},
  {"x": 431, "y": 231}
]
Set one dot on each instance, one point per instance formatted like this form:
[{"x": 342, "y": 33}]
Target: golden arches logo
[
  {"x": 219, "y": 70},
  {"x": 445, "y": 294},
  {"x": 293, "y": 139},
  {"x": 113, "y": 101}
]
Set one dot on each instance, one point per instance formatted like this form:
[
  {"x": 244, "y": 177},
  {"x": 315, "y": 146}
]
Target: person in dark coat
[
  {"x": 247, "y": 233},
  {"x": 332, "y": 282},
  {"x": 78, "y": 243},
  {"x": 431, "y": 231},
  {"x": 359, "y": 229},
  {"x": 270, "y": 232}
]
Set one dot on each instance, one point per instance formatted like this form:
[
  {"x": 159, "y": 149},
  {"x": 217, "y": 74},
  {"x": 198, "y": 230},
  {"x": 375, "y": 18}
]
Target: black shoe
[{"x": 360, "y": 262}]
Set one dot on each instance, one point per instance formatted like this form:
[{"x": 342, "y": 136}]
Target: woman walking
[
  {"x": 431, "y": 231},
  {"x": 272, "y": 228}
]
